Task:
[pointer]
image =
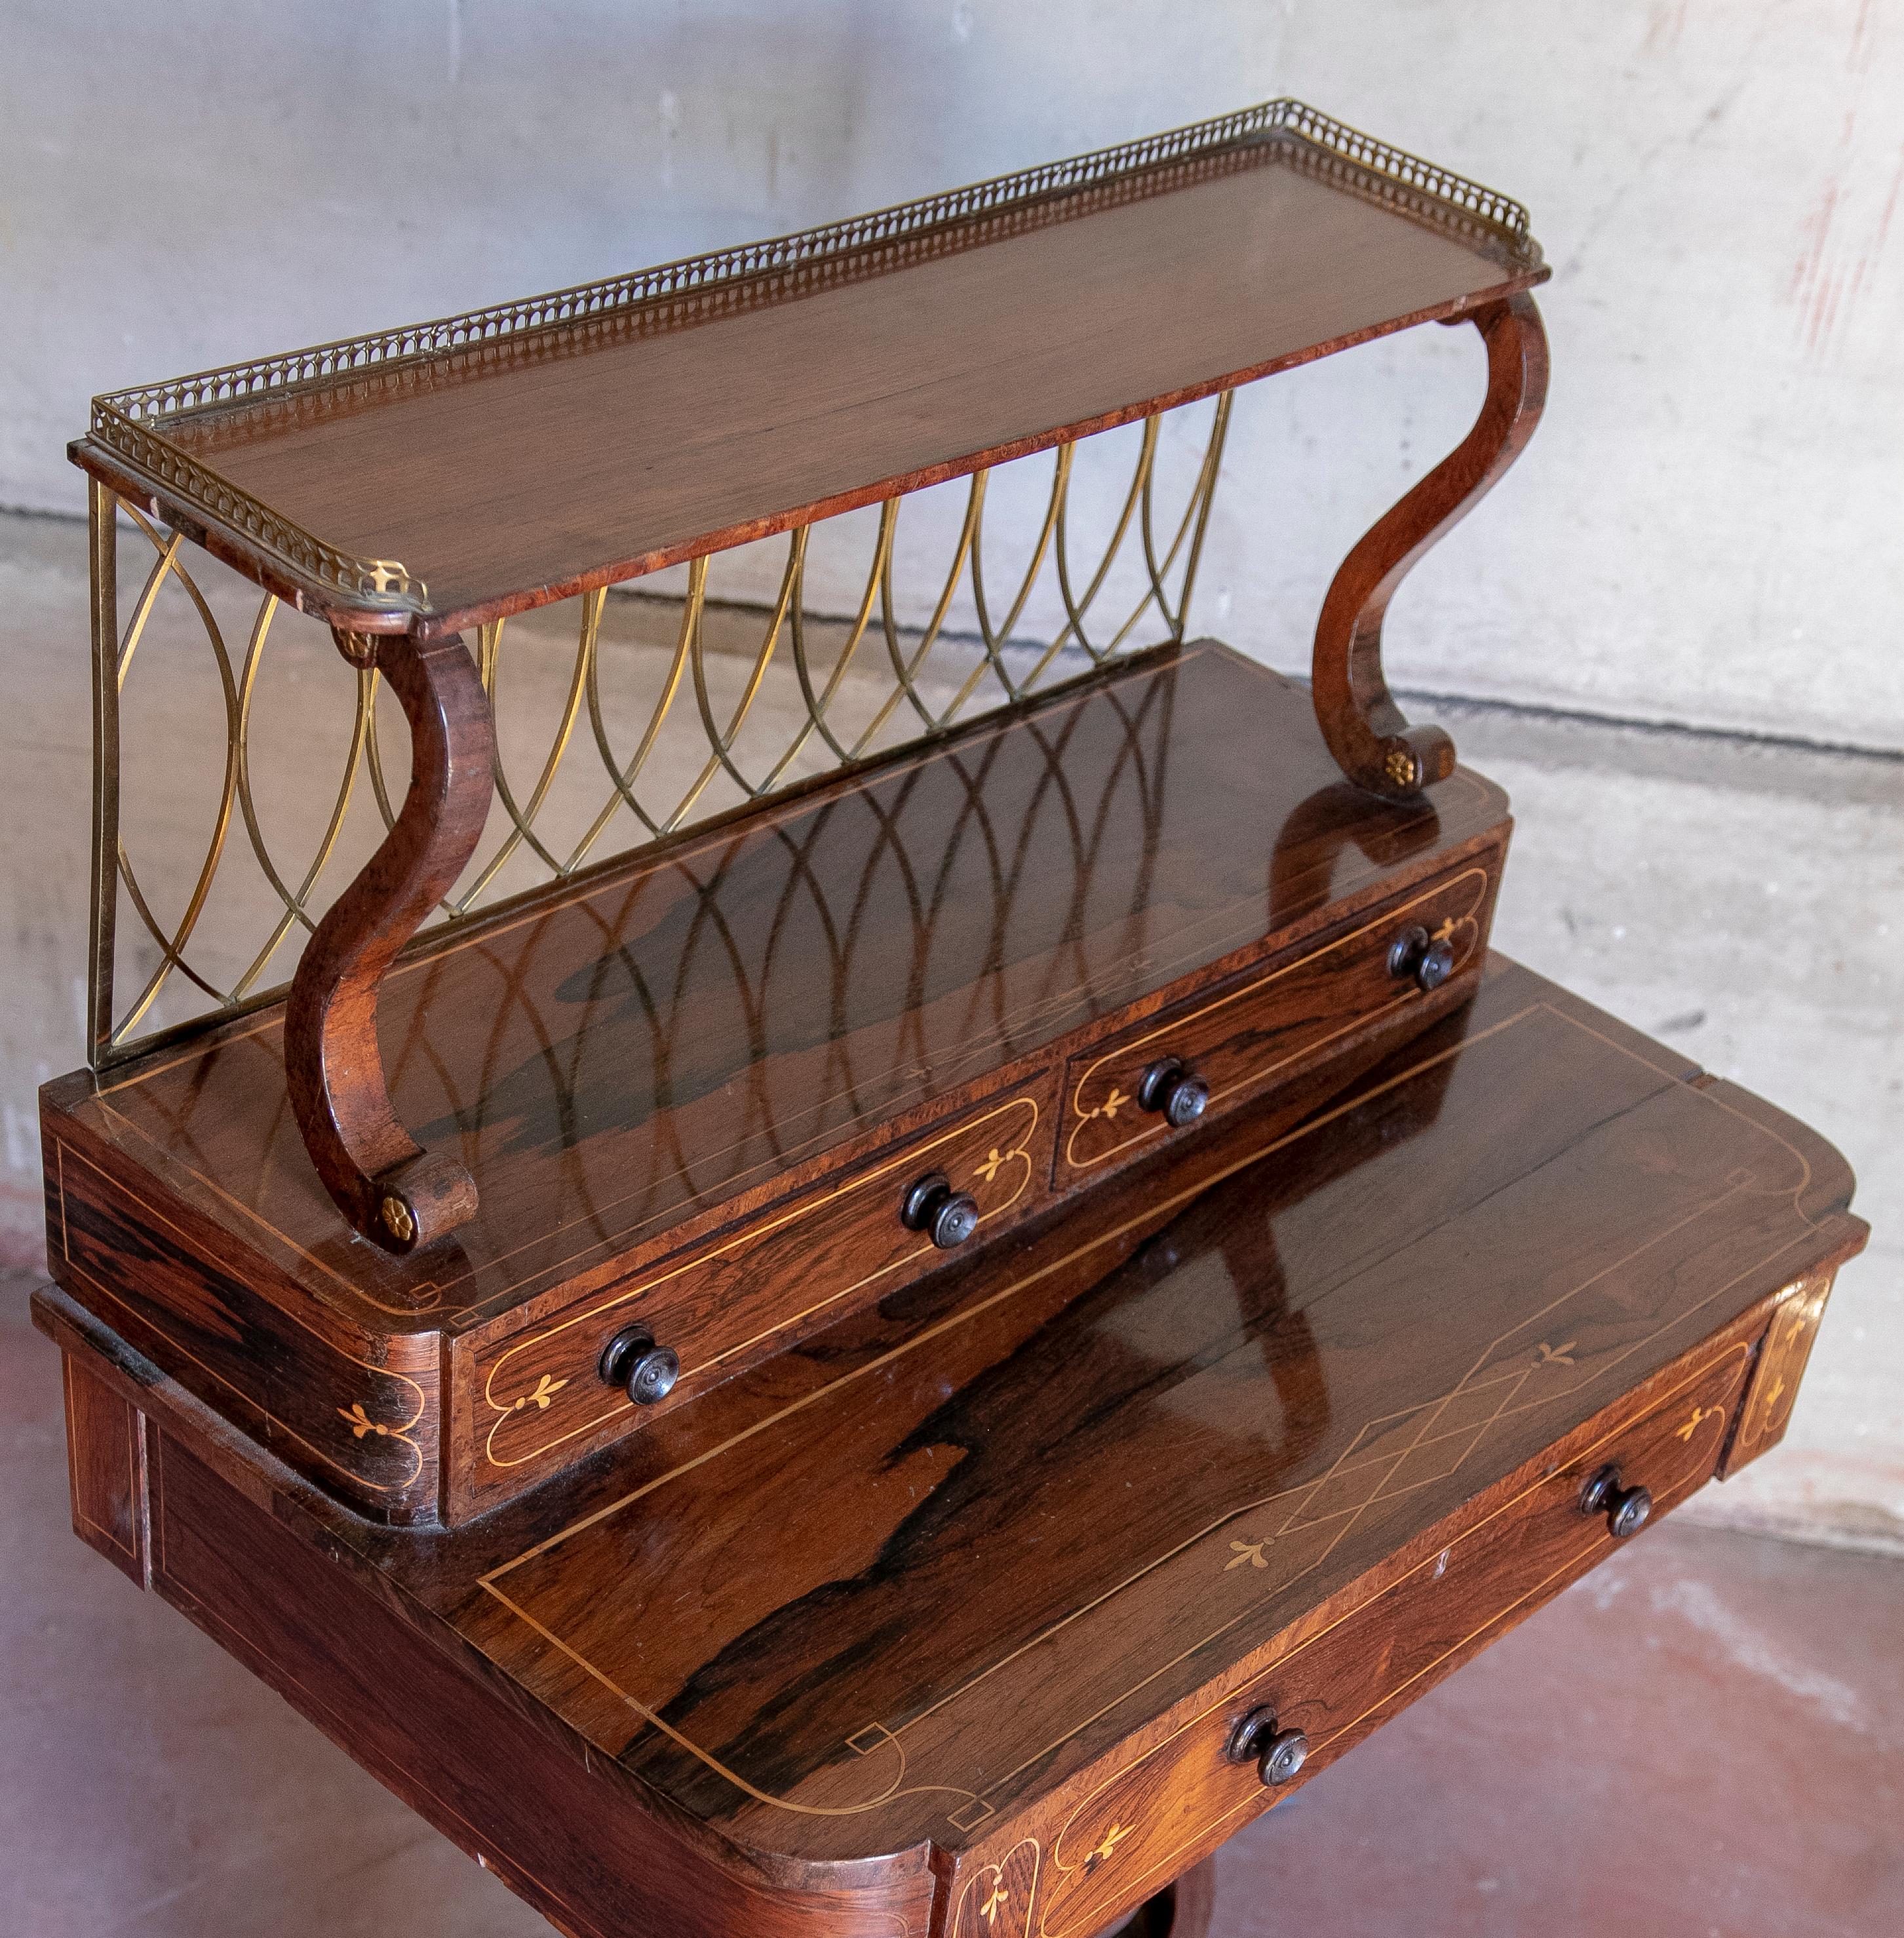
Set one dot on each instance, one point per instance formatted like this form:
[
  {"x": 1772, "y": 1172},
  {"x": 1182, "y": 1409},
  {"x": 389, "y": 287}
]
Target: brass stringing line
[
  {"x": 817, "y": 709},
  {"x": 363, "y": 720},
  {"x": 998, "y": 636},
  {"x": 722, "y": 744},
  {"x": 625, "y": 778},
  {"x": 903, "y": 670},
  {"x": 1212, "y": 464},
  {"x": 103, "y": 548},
  {"x": 803, "y": 673},
  {"x": 1155, "y": 595},
  {"x": 796, "y": 634},
  {"x": 1150, "y": 566},
  {"x": 156, "y": 578},
  {"x": 1194, "y": 513},
  {"x": 967, "y": 540},
  {"x": 592, "y": 603},
  {"x": 295, "y": 910},
  {"x": 1075, "y": 608},
  {"x": 373, "y": 754},
  {"x": 172, "y": 956},
  {"x": 489, "y": 661}
]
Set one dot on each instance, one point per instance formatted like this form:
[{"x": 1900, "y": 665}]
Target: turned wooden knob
[
  {"x": 1417, "y": 957},
  {"x": 1626, "y": 1508},
  {"x": 1278, "y": 1754},
  {"x": 946, "y": 1216},
  {"x": 1177, "y": 1095},
  {"x": 633, "y": 1361}
]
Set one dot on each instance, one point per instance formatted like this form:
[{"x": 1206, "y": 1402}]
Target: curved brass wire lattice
[
  {"x": 880, "y": 684},
  {"x": 966, "y": 848}
]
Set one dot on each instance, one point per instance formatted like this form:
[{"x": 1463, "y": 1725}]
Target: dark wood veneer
[
  {"x": 389, "y": 1189},
  {"x": 1365, "y": 729},
  {"x": 687, "y": 1085},
  {"x": 440, "y": 478},
  {"x": 956, "y": 1561},
  {"x": 966, "y": 1591},
  {"x": 506, "y": 475}
]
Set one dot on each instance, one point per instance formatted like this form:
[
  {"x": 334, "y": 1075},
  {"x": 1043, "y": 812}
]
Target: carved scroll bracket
[
  {"x": 1366, "y": 732},
  {"x": 388, "y": 1187}
]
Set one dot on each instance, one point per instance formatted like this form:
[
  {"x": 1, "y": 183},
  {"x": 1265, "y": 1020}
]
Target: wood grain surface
[
  {"x": 952, "y": 1578},
  {"x": 671, "y": 1056},
  {"x": 956, "y": 1602},
  {"x": 504, "y": 474},
  {"x": 1366, "y": 730},
  {"x": 388, "y": 1188}
]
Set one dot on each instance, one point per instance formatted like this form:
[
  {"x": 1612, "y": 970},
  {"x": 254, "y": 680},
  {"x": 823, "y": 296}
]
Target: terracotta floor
[{"x": 1706, "y": 1738}]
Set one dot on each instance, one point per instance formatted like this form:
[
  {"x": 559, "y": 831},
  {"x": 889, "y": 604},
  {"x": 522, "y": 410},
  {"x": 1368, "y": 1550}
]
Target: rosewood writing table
[
  {"x": 876, "y": 1282},
  {"x": 409, "y": 488},
  {"x": 993, "y": 1609}
]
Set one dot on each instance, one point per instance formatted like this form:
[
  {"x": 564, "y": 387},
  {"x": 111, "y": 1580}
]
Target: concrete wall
[
  {"x": 1703, "y": 535},
  {"x": 1703, "y": 531}
]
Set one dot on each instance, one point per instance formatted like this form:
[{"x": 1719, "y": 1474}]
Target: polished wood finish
[
  {"x": 1365, "y": 730},
  {"x": 532, "y": 1401},
  {"x": 1240, "y": 1037},
  {"x": 957, "y": 1604},
  {"x": 1782, "y": 1360},
  {"x": 408, "y": 487},
  {"x": 385, "y": 1185},
  {"x": 507, "y": 473},
  {"x": 691, "y": 1087},
  {"x": 517, "y": 459},
  {"x": 105, "y": 1454}
]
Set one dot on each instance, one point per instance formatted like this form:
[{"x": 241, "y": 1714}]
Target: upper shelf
[{"x": 431, "y": 479}]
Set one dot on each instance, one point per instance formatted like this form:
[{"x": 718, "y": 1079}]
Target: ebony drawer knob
[
  {"x": 1174, "y": 1093},
  {"x": 1417, "y": 957},
  {"x": 1278, "y": 1754},
  {"x": 1626, "y": 1508},
  {"x": 632, "y": 1359},
  {"x": 946, "y": 1216}
]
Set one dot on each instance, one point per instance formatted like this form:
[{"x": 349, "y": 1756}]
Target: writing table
[{"x": 947, "y": 1619}]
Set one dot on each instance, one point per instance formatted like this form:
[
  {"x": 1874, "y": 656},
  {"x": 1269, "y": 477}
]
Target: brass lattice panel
[{"x": 239, "y": 788}]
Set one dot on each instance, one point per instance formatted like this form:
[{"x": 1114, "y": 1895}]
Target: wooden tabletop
[
  {"x": 901, "y": 1582},
  {"x": 433, "y": 478}
]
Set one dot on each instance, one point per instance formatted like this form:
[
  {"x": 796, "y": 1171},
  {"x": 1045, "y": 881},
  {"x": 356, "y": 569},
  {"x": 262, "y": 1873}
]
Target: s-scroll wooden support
[
  {"x": 388, "y": 1187},
  {"x": 1370, "y": 737}
]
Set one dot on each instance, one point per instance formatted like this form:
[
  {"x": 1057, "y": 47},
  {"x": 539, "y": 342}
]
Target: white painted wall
[{"x": 1705, "y": 529}]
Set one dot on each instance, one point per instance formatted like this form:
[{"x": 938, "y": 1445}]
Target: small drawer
[
  {"x": 542, "y": 1397},
  {"x": 1157, "y": 1815},
  {"x": 1260, "y": 1030}
]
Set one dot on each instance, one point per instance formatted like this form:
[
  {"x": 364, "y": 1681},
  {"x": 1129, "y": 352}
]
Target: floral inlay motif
[
  {"x": 1106, "y": 1845},
  {"x": 546, "y": 1389}
]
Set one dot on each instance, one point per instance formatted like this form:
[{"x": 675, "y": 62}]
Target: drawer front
[
  {"x": 1160, "y": 1814},
  {"x": 1262, "y": 1029},
  {"x": 791, "y": 1268}
]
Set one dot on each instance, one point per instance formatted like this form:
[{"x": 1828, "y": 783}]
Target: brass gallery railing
[{"x": 605, "y": 741}]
